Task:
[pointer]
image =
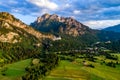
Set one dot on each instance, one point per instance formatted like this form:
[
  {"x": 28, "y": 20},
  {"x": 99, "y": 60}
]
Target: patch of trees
[
  {"x": 88, "y": 65},
  {"x": 47, "y": 61},
  {"x": 113, "y": 57},
  {"x": 18, "y": 51},
  {"x": 111, "y": 64},
  {"x": 108, "y": 55},
  {"x": 69, "y": 58},
  {"x": 89, "y": 56},
  {"x": 108, "y": 35},
  {"x": 71, "y": 43},
  {"x": 113, "y": 45},
  {"x": 91, "y": 65},
  {"x": 36, "y": 71}
]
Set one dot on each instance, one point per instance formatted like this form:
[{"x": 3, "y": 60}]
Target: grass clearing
[
  {"x": 68, "y": 70},
  {"x": 76, "y": 71},
  {"x": 15, "y": 70},
  {"x": 71, "y": 71}
]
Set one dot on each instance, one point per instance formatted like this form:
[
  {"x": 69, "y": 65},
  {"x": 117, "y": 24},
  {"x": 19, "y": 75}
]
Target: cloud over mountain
[
  {"x": 82, "y": 10},
  {"x": 44, "y": 4}
]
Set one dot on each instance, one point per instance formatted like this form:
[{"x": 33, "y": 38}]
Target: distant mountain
[
  {"x": 108, "y": 35},
  {"x": 115, "y": 28},
  {"x": 69, "y": 26},
  {"x": 54, "y": 23},
  {"x": 12, "y": 30}
]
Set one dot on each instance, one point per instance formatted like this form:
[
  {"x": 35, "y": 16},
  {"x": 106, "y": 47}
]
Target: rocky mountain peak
[
  {"x": 45, "y": 16},
  {"x": 55, "y": 23}
]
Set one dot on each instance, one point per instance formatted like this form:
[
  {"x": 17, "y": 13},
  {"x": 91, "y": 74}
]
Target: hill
[
  {"x": 12, "y": 29},
  {"x": 115, "y": 28},
  {"x": 18, "y": 41}
]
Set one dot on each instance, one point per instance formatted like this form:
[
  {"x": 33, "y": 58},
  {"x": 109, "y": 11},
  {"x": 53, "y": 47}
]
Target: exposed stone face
[
  {"x": 8, "y": 22},
  {"x": 72, "y": 26},
  {"x": 10, "y": 37}
]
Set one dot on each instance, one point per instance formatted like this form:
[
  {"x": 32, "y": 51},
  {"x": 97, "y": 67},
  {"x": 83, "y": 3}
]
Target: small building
[{"x": 57, "y": 38}]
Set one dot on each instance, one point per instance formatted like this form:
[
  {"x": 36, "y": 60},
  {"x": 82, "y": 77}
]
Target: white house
[{"x": 56, "y": 38}]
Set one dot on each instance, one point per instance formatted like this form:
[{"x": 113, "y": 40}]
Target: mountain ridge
[
  {"x": 68, "y": 26},
  {"x": 115, "y": 28},
  {"x": 55, "y": 23},
  {"x": 9, "y": 23}
]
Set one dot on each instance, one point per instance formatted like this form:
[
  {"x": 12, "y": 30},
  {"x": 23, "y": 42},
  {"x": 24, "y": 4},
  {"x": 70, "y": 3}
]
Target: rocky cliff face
[
  {"x": 54, "y": 23},
  {"x": 11, "y": 29}
]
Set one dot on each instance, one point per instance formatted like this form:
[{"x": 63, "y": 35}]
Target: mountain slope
[
  {"x": 56, "y": 24},
  {"x": 115, "y": 28},
  {"x": 71, "y": 27},
  {"x": 18, "y": 41},
  {"x": 12, "y": 30}
]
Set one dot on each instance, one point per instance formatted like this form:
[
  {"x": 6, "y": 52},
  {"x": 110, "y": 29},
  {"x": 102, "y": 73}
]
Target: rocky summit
[{"x": 55, "y": 23}]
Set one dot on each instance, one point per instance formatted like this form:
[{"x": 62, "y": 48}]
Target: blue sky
[{"x": 94, "y": 13}]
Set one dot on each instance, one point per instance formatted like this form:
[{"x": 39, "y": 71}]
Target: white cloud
[
  {"x": 76, "y": 12},
  {"x": 44, "y": 4},
  {"x": 67, "y": 5},
  {"x": 101, "y": 23}
]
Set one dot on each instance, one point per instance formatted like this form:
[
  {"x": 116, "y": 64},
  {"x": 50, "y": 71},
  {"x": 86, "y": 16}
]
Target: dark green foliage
[
  {"x": 90, "y": 65},
  {"x": 108, "y": 56},
  {"x": 48, "y": 26},
  {"x": 68, "y": 43},
  {"x": 108, "y": 36},
  {"x": 69, "y": 58},
  {"x": 115, "y": 28},
  {"x": 23, "y": 49},
  {"x": 47, "y": 62},
  {"x": 114, "y": 46},
  {"x": 19, "y": 51},
  {"x": 111, "y": 64}
]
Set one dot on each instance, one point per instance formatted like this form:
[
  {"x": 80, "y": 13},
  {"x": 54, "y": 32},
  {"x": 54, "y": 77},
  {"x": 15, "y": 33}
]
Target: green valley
[
  {"x": 58, "y": 48},
  {"x": 15, "y": 70},
  {"x": 76, "y": 70}
]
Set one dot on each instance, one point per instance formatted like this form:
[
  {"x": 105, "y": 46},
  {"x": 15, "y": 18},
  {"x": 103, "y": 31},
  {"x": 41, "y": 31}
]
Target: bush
[
  {"x": 111, "y": 64},
  {"x": 91, "y": 65}
]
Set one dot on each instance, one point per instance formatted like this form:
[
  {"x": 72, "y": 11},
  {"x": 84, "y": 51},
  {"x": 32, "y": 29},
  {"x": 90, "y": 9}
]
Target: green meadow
[
  {"x": 77, "y": 71},
  {"x": 14, "y": 71},
  {"x": 66, "y": 70}
]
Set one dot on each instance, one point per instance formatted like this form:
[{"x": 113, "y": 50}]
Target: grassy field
[
  {"x": 67, "y": 70},
  {"x": 71, "y": 71},
  {"x": 15, "y": 70},
  {"x": 76, "y": 71}
]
